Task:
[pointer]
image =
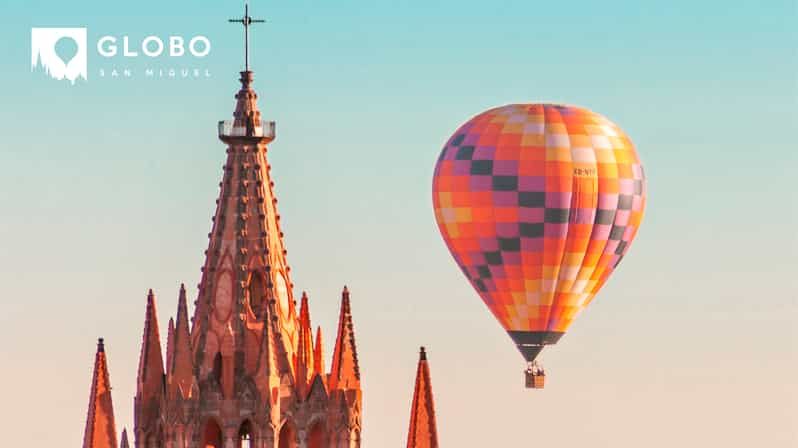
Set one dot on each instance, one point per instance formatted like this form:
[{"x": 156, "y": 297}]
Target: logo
[{"x": 61, "y": 52}]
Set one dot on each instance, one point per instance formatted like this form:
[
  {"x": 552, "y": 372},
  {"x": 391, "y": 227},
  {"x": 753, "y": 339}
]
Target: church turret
[
  {"x": 150, "y": 384},
  {"x": 318, "y": 355},
  {"x": 100, "y": 426},
  {"x": 304, "y": 357},
  {"x": 245, "y": 267},
  {"x": 124, "y": 443},
  {"x": 345, "y": 372},
  {"x": 344, "y": 380},
  {"x": 181, "y": 368},
  {"x": 423, "y": 432},
  {"x": 170, "y": 350},
  {"x": 245, "y": 294},
  {"x": 151, "y": 372},
  {"x": 244, "y": 371}
]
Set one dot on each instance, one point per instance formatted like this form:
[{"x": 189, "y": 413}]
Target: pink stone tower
[
  {"x": 100, "y": 427},
  {"x": 423, "y": 431},
  {"x": 245, "y": 372}
]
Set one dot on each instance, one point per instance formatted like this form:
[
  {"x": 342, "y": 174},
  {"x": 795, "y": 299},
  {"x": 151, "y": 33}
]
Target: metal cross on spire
[{"x": 247, "y": 21}]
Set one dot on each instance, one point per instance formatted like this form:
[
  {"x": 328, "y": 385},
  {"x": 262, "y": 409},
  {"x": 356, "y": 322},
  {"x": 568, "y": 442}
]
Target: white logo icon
[{"x": 71, "y": 63}]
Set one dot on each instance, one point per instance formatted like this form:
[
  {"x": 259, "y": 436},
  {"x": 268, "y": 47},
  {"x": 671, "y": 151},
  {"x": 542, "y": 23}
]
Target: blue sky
[{"x": 109, "y": 185}]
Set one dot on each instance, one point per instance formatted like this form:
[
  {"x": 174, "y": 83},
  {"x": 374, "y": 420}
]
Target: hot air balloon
[{"x": 538, "y": 203}]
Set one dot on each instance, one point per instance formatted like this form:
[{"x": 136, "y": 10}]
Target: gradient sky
[{"x": 108, "y": 189}]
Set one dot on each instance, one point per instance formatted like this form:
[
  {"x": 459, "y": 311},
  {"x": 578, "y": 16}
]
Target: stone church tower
[
  {"x": 423, "y": 431},
  {"x": 246, "y": 371},
  {"x": 100, "y": 429}
]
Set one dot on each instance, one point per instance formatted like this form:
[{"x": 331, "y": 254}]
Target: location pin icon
[{"x": 66, "y": 48}]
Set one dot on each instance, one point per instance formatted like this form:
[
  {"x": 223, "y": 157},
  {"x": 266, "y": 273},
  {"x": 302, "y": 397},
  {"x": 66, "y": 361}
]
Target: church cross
[{"x": 247, "y": 21}]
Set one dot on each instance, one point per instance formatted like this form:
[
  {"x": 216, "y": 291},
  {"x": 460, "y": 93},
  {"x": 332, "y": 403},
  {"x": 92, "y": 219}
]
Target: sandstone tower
[
  {"x": 100, "y": 429},
  {"x": 423, "y": 431},
  {"x": 245, "y": 372}
]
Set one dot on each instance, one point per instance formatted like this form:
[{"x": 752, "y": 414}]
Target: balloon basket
[{"x": 535, "y": 377}]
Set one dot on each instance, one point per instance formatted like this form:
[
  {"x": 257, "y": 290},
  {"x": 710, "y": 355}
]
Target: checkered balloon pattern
[{"x": 538, "y": 204}]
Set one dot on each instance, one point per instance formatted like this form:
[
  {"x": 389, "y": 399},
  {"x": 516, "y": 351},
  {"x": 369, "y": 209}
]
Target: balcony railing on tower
[{"x": 227, "y": 128}]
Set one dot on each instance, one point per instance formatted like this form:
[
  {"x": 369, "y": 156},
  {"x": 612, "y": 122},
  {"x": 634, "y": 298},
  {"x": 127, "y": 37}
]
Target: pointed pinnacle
[
  {"x": 100, "y": 427},
  {"x": 345, "y": 372},
  {"x": 182, "y": 305},
  {"x": 150, "y": 360},
  {"x": 170, "y": 345},
  {"x": 423, "y": 431},
  {"x": 124, "y": 443},
  {"x": 318, "y": 354}
]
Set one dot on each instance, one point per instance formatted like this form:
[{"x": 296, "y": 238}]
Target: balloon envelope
[{"x": 538, "y": 203}]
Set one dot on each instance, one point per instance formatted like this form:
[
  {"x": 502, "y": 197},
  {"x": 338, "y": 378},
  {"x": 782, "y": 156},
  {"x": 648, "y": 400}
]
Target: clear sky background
[{"x": 108, "y": 189}]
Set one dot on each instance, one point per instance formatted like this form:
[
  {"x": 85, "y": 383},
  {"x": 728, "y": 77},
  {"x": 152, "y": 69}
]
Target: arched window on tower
[
  {"x": 257, "y": 291},
  {"x": 217, "y": 368},
  {"x": 245, "y": 435}
]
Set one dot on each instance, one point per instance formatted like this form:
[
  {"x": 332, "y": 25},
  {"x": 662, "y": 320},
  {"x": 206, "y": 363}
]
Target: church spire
[
  {"x": 345, "y": 373},
  {"x": 124, "y": 443},
  {"x": 100, "y": 427},
  {"x": 246, "y": 264},
  {"x": 170, "y": 348},
  {"x": 151, "y": 372},
  {"x": 304, "y": 359},
  {"x": 230, "y": 376},
  {"x": 318, "y": 355},
  {"x": 423, "y": 432},
  {"x": 181, "y": 369}
]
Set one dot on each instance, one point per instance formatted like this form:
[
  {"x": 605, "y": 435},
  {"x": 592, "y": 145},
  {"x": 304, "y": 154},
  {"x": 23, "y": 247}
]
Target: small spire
[
  {"x": 151, "y": 371},
  {"x": 124, "y": 443},
  {"x": 318, "y": 354},
  {"x": 100, "y": 429},
  {"x": 423, "y": 432},
  {"x": 345, "y": 372},
  {"x": 304, "y": 312},
  {"x": 170, "y": 347},
  {"x": 181, "y": 369},
  {"x": 305, "y": 355}
]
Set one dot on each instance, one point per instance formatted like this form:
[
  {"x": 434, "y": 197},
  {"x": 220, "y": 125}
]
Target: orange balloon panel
[{"x": 538, "y": 204}]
